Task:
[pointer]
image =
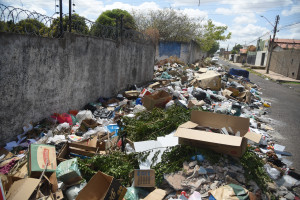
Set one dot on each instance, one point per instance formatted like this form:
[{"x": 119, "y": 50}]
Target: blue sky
[{"x": 241, "y": 16}]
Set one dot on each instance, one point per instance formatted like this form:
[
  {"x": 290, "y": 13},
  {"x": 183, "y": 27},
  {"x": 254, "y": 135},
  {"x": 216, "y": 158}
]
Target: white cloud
[
  {"x": 92, "y": 12},
  {"x": 195, "y": 13},
  {"x": 242, "y": 34},
  {"x": 245, "y": 19},
  {"x": 240, "y": 6},
  {"x": 178, "y": 3},
  {"x": 294, "y": 10},
  {"x": 224, "y": 11}
]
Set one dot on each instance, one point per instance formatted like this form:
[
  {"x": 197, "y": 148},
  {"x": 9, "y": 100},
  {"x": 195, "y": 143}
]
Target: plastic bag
[
  {"x": 62, "y": 118},
  {"x": 68, "y": 170},
  {"x": 73, "y": 191},
  {"x": 138, "y": 108},
  {"x": 84, "y": 114},
  {"x": 195, "y": 196},
  {"x": 273, "y": 173},
  {"x": 131, "y": 194}
]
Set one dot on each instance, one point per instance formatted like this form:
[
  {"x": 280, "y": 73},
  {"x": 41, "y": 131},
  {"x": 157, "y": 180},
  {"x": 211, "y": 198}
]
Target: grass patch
[{"x": 292, "y": 82}]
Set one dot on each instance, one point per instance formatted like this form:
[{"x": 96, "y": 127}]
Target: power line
[{"x": 283, "y": 27}]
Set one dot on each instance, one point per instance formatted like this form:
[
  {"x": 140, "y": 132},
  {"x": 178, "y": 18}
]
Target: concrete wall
[
  {"x": 287, "y": 63},
  {"x": 41, "y": 76},
  {"x": 186, "y": 52},
  {"x": 259, "y": 57}
]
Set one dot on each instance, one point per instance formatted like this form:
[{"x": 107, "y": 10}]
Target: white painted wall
[{"x": 259, "y": 56}]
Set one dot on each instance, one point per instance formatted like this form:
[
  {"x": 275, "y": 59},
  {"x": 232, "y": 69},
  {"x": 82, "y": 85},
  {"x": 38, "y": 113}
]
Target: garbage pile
[{"x": 195, "y": 132}]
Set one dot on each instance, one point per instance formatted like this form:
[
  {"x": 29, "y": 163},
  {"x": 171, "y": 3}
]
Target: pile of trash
[{"x": 196, "y": 132}]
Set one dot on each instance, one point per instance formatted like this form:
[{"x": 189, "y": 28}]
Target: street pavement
[{"x": 284, "y": 112}]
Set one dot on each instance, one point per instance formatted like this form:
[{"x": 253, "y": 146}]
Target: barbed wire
[{"x": 21, "y": 21}]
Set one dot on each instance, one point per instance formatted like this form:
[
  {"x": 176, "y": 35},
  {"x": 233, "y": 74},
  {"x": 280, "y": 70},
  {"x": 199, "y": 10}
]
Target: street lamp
[{"x": 267, "y": 20}]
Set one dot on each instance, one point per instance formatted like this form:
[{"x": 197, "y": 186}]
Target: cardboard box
[
  {"x": 144, "y": 178},
  {"x": 227, "y": 144},
  {"x": 102, "y": 186},
  {"x": 209, "y": 80},
  {"x": 157, "y": 99},
  {"x": 39, "y": 155},
  {"x": 81, "y": 150}
]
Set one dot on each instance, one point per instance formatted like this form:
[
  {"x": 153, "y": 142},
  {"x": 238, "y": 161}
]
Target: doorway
[{"x": 263, "y": 59}]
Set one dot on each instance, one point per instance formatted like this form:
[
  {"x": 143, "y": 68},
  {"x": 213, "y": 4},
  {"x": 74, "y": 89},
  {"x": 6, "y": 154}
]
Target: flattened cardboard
[
  {"x": 132, "y": 94},
  {"x": 22, "y": 189},
  {"x": 195, "y": 103},
  {"x": 21, "y": 173},
  {"x": 154, "y": 85},
  {"x": 157, "y": 194},
  {"x": 202, "y": 70},
  {"x": 253, "y": 137},
  {"x": 227, "y": 144},
  {"x": 144, "y": 178},
  {"x": 226, "y": 93},
  {"x": 102, "y": 186},
  {"x": 90, "y": 142}
]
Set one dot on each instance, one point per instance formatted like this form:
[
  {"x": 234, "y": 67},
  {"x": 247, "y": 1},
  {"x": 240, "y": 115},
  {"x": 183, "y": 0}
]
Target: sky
[{"x": 242, "y": 17}]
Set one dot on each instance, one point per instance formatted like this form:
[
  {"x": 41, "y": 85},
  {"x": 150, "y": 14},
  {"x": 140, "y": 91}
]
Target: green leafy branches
[{"x": 149, "y": 125}]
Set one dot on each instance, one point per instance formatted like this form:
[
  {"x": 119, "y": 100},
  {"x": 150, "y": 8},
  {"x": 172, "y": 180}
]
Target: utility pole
[
  {"x": 271, "y": 44},
  {"x": 60, "y": 18},
  {"x": 70, "y": 15}
]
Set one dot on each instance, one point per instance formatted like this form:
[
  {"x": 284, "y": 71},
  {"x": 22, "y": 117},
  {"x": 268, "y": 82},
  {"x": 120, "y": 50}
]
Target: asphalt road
[{"x": 284, "y": 112}]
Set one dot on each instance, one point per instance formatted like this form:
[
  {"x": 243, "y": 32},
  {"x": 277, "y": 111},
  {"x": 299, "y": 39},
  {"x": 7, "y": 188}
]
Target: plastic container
[{"x": 113, "y": 127}]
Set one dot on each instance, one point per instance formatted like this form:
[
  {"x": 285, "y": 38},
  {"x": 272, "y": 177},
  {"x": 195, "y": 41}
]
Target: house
[
  {"x": 251, "y": 55},
  {"x": 242, "y": 56},
  {"x": 261, "y": 52},
  {"x": 286, "y": 58}
]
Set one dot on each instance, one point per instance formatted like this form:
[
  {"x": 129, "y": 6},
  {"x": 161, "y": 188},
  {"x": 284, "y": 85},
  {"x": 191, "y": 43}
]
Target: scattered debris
[{"x": 195, "y": 132}]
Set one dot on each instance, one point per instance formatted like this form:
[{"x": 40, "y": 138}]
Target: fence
[{"x": 17, "y": 20}]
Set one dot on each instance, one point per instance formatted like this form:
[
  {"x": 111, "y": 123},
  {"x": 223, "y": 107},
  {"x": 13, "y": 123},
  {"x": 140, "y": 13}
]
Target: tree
[
  {"x": 78, "y": 25},
  {"x": 236, "y": 49},
  {"x": 171, "y": 24},
  {"x": 215, "y": 47},
  {"x": 174, "y": 25},
  {"x": 209, "y": 34},
  {"x": 28, "y": 26},
  {"x": 108, "y": 18}
]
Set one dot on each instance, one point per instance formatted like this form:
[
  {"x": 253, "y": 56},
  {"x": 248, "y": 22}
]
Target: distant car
[{"x": 215, "y": 59}]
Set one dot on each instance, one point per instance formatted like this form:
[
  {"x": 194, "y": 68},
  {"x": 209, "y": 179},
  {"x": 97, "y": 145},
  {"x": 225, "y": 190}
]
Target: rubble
[{"x": 128, "y": 138}]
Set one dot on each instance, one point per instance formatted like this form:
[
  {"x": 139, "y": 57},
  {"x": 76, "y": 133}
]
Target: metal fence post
[{"x": 60, "y": 18}]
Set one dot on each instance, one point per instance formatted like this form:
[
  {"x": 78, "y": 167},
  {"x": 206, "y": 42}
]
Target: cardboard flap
[
  {"x": 253, "y": 136},
  {"x": 22, "y": 189},
  {"x": 219, "y": 121},
  {"x": 157, "y": 194},
  {"x": 188, "y": 124},
  {"x": 208, "y": 137}
]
